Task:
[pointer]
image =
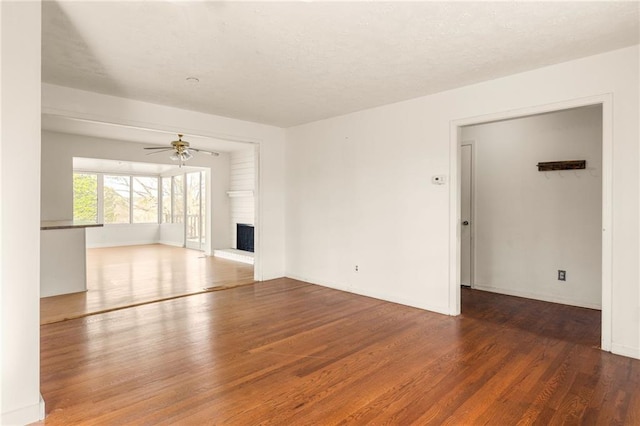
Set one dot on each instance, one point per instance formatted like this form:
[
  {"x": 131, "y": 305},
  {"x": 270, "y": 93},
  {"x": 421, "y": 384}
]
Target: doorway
[
  {"x": 603, "y": 205},
  {"x": 195, "y": 212}
]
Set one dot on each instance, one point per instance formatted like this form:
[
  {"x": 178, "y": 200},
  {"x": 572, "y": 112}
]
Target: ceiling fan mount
[
  {"x": 180, "y": 150},
  {"x": 180, "y": 145}
]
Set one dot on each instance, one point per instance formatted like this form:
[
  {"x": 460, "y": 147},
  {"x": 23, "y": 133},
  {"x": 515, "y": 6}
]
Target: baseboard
[
  {"x": 41, "y": 408},
  {"x": 24, "y": 415},
  {"x": 122, "y": 244},
  {"x": 373, "y": 294},
  {"x": 171, "y": 243},
  {"x": 401, "y": 301},
  {"x": 315, "y": 281},
  {"x": 536, "y": 296},
  {"x": 625, "y": 351}
]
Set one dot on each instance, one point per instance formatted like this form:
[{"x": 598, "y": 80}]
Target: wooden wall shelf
[{"x": 549, "y": 166}]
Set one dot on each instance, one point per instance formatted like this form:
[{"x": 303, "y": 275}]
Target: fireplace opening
[{"x": 244, "y": 237}]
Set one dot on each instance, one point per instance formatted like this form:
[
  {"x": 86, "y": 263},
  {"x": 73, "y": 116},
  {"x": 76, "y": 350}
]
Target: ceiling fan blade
[
  {"x": 161, "y": 151},
  {"x": 157, "y": 147},
  {"x": 202, "y": 151}
]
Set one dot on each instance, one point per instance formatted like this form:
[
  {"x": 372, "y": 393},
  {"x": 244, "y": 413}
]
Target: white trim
[
  {"x": 472, "y": 218},
  {"x": 455, "y": 135},
  {"x": 384, "y": 296},
  {"x": 25, "y": 415},
  {"x": 537, "y": 296},
  {"x": 257, "y": 217},
  {"x": 607, "y": 221},
  {"x": 123, "y": 244},
  {"x": 606, "y": 100},
  {"x": 169, "y": 243},
  {"x": 625, "y": 351}
]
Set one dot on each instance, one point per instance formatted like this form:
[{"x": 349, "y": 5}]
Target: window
[
  {"x": 85, "y": 197},
  {"x": 117, "y": 196},
  {"x": 120, "y": 199},
  {"x": 178, "y": 199},
  {"x": 166, "y": 200},
  {"x": 203, "y": 193},
  {"x": 145, "y": 199}
]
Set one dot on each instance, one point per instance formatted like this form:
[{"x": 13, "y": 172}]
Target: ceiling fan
[{"x": 181, "y": 151}]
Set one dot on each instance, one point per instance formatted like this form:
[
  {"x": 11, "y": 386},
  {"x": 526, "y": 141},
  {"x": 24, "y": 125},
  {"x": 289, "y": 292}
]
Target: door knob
[{"x": 465, "y": 223}]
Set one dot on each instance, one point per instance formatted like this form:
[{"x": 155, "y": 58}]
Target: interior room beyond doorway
[
  {"x": 119, "y": 277},
  {"x": 535, "y": 234}
]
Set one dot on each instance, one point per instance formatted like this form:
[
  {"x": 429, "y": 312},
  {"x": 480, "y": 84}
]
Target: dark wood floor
[{"x": 289, "y": 353}]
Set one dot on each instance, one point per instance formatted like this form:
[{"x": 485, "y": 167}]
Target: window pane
[
  {"x": 193, "y": 206},
  {"x": 145, "y": 199},
  {"x": 203, "y": 210},
  {"x": 178, "y": 199},
  {"x": 85, "y": 197},
  {"x": 116, "y": 199},
  {"x": 166, "y": 200}
]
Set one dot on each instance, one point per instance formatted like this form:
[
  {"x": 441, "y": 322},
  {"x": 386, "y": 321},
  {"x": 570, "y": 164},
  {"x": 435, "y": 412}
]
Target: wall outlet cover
[{"x": 438, "y": 179}]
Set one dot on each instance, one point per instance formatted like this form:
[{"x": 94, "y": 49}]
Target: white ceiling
[{"x": 288, "y": 63}]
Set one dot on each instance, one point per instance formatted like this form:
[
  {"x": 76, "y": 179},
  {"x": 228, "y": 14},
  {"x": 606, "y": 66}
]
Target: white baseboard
[
  {"x": 24, "y": 415},
  {"x": 41, "y": 408},
  {"x": 625, "y": 351},
  {"x": 536, "y": 296},
  {"x": 171, "y": 243},
  {"x": 121, "y": 244},
  {"x": 373, "y": 294},
  {"x": 401, "y": 301}
]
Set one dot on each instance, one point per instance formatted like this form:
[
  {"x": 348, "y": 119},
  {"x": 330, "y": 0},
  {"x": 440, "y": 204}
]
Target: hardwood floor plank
[
  {"x": 120, "y": 277},
  {"x": 286, "y": 352}
]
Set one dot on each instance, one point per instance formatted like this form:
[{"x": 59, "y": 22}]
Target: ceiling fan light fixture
[
  {"x": 181, "y": 150},
  {"x": 181, "y": 156}
]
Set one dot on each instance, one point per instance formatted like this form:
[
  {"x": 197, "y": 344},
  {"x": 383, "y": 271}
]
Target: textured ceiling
[{"x": 288, "y": 63}]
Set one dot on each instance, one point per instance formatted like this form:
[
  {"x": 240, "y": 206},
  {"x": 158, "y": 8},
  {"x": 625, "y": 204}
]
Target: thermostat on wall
[{"x": 438, "y": 179}]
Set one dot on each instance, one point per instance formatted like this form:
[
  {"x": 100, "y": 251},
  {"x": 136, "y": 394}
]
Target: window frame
[{"x": 100, "y": 196}]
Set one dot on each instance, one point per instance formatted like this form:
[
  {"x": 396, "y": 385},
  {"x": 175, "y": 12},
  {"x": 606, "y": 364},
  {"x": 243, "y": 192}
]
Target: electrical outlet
[
  {"x": 562, "y": 275},
  {"x": 438, "y": 179},
  {"x": 356, "y": 268}
]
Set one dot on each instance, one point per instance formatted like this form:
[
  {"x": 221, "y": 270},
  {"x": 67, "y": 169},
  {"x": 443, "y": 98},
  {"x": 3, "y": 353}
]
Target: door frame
[
  {"x": 455, "y": 139},
  {"x": 472, "y": 212},
  {"x": 203, "y": 216}
]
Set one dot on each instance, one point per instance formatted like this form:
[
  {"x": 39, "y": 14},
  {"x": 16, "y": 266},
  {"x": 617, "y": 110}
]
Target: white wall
[
  {"x": 20, "y": 213},
  {"x": 270, "y": 237},
  {"x": 242, "y": 164},
  {"x": 123, "y": 235},
  {"x": 529, "y": 224},
  {"x": 58, "y": 150},
  {"x": 359, "y": 191}
]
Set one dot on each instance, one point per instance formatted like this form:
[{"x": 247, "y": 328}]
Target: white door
[{"x": 466, "y": 209}]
